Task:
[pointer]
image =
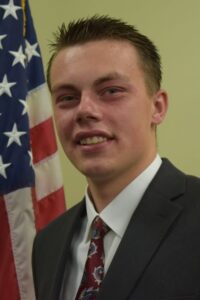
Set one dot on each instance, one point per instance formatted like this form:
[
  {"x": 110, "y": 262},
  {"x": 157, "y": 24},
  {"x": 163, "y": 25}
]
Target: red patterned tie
[{"x": 94, "y": 267}]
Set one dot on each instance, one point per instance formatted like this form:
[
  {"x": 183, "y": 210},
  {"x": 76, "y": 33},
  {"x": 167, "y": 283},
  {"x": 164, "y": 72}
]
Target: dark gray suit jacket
[{"x": 158, "y": 257}]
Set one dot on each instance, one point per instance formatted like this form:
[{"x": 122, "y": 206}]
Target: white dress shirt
[{"x": 117, "y": 216}]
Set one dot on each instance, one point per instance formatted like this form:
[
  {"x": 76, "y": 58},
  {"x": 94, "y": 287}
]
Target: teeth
[{"x": 93, "y": 140}]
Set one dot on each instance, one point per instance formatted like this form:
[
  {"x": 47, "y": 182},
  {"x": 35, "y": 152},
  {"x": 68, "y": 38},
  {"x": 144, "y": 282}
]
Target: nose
[{"x": 88, "y": 108}]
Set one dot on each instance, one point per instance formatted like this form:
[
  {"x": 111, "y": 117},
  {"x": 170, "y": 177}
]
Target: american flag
[{"x": 31, "y": 188}]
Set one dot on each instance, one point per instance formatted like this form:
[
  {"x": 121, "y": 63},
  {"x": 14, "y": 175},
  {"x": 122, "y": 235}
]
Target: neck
[{"x": 102, "y": 192}]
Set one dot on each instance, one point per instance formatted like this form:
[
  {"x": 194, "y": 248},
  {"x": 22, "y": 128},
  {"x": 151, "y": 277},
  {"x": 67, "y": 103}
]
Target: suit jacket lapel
[
  {"x": 146, "y": 231},
  {"x": 73, "y": 223}
]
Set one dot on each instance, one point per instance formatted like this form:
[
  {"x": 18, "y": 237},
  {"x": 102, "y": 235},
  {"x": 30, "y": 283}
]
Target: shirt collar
[{"x": 118, "y": 212}]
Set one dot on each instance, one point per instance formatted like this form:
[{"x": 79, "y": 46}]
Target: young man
[{"x": 104, "y": 77}]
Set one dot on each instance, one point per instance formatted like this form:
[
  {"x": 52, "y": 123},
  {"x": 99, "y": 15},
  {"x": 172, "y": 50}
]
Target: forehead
[
  {"x": 97, "y": 56},
  {"x": 120, "y": 49}
]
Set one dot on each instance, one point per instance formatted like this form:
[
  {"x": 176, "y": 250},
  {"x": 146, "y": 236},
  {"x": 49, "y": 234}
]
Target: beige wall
[{"x": 174, "y": 26}]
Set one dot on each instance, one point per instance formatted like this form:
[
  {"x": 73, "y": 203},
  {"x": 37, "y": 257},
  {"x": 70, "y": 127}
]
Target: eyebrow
[
  {"x": 63, "y": 87},
  {"x": 108, "y": 77}
]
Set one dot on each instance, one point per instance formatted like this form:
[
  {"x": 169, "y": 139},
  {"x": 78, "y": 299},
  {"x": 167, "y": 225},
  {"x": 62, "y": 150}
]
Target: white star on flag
[
  {"x": 14, "y": 135},
  {"x": 3, "y": 36},
  {"x": 10, "y": 10},
  {"x": 25, "y": 105},
  {"x": 31, "y": 50},
  {"x": 3, "y": 167},
  {"x": 20, "y": 57},
  {"x": 5, "y": 86}
]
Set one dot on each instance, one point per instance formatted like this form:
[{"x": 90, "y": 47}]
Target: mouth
[{"x": 93, "y": 140}]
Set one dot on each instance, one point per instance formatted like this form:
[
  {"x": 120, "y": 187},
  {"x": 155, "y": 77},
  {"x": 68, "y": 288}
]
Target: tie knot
[{"x": 99, "y": 228}]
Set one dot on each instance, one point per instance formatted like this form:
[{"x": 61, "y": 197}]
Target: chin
[{"x": 95, "y": 172}]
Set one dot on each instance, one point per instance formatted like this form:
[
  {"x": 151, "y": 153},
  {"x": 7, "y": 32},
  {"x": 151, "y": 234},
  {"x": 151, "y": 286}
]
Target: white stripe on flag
[
  {"x": 48, "y": 176},
  {"x": 22, "y": 231},
  {"x": 39, "y": 106}
]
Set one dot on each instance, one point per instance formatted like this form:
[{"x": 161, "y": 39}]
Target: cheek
[{"x": 63, "y": 124}]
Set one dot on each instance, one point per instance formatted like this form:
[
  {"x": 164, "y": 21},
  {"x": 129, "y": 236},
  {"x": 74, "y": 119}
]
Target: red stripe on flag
[
  {"x": 44, "y": 215},
  {"x": 43, "y": 140},
  {"x": 8, "y": 281}
]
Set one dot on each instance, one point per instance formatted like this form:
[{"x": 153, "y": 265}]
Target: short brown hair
[{"x": 104, "y": 28}]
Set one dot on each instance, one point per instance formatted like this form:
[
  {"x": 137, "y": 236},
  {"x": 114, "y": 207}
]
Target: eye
[
  {"x": 112, "y": 90},
  {"x": 66, "y": 98}
]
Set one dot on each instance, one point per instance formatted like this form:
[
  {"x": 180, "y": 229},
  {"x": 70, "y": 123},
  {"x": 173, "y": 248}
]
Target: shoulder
[
  {"x": 61, "y": 226},
  {"x": 173, "y": 183},
  {"x": 170, "y": 171},
  {"x": 51, "y": 245},
  {"x": 191, "y": 182},
  {"x": 188, "y": 185},
  {"x": 192, "y": 189}
]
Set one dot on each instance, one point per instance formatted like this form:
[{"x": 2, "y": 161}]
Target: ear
[{"x": 160, "y": 106}]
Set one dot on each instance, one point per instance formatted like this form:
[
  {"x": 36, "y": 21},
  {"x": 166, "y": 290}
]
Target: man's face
[{"x": 104, "y": 114}]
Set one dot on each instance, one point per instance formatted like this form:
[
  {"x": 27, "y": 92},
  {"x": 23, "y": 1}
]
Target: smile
[{"x": 93, "y": 140}]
